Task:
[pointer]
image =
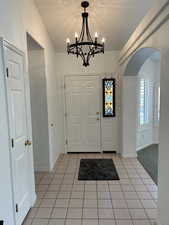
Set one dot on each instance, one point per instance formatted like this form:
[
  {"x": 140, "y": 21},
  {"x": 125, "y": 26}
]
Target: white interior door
[
  {"x": 18, "y": 132},
  {"x": 82, "y": 113}
]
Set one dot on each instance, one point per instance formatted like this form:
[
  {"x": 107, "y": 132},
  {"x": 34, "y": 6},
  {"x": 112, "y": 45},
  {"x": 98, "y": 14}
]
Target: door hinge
[
  {"x": 65, "y": 114},
  {"x": 66, "y": 141},
  {"x": 7, "y": 72},
  {"x": 16, "y": 207},
  {"x": 12, "y": 142},
  {"x": 64, "y": 86}
]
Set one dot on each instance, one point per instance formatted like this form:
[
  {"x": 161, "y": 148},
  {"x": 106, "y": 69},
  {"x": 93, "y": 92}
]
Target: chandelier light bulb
[
  {"x": 96, "y": 35},
  {"x": 103, "y": 40},
  {"x": 76, "y": 35},
  {"x": 67, "y": 40}
]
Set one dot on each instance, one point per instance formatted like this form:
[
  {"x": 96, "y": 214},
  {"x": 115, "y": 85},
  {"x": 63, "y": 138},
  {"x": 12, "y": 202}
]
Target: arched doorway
[{"x": 130, "y": 101}]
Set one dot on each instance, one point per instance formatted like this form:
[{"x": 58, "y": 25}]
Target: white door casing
[
  {"x": 82, "y": 113},
  {"x": 14, "y": 62}
]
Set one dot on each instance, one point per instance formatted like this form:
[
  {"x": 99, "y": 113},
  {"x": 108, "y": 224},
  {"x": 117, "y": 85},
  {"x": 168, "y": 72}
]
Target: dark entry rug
[{"x": 97, "y": 169}]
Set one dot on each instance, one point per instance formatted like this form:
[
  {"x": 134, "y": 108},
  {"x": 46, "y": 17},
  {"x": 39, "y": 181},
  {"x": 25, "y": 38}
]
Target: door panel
[
  {"x": 82, "y": 105},
  {"x": 18, "y": 132}
]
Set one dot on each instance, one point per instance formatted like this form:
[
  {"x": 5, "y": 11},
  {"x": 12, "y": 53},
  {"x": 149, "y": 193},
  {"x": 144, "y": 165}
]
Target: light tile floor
[{"x": 63, "y": 200}]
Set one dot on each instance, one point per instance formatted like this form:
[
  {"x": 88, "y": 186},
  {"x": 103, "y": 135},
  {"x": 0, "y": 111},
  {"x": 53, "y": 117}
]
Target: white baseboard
[
  {"x": 34, "y": 198},
  {"x": 129, "y": 155},
  {"x": 53, "y": 162}
]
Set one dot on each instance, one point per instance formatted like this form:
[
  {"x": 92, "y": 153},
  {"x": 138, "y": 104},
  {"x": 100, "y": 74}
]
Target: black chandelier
[{"x": 84, "y": 45}]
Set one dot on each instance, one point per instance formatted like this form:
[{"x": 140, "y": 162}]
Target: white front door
[
  {"x": 14, "y": 63},
  {"x": 82, "y": 113}
]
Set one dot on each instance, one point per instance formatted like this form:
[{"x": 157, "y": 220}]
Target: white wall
[
  {"x": 39, "y": 111},
  {"x": 148, "y": 133},
  {"x": 18, "y": 17},
  {"x": 129, "y": 114},
  {"x": 102, "y": 65}
]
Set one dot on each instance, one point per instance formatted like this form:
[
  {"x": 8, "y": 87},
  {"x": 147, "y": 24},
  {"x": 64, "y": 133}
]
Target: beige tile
[
  {"x": 59, "y": 213},
  {"x": 47, "y": 203},
  {"x": 50, "y": 195},
  {"x": 90, "y": 203},
  {"x": 138, "y": 214},
  {"x": 117, "y": 195},
  {"x": 63, "y": 195},
  {"x": 56, "y": 222},
  {"x": 114, "y": 188},
  {"x": 41, "y": 194},
  {"x": 140, "y": 187},
  {"x": 40, "y": 222},
  {"x": 107, "y": 222},
  {"x": 152, "y": 213},
  {"x": 90, "y": 222},
  {"x": 78, "y": 187},
  {"x": 104, "y": 203},
  {"x": 42, "y": 187},
  {"x": 106, "y": 214},
  {"x": 152, "y": 187},
  {"x": 75, "y": 203},
  {"x": 124, "y": 222},
  {"x": 130, "y": 195},
  {"x": 127, "y": 187},
  {"x": 144, "y": 195},
  {"x": 90, "y": 187},
  {"x": 77, "y": 194},
  {"x": 141, "y": 222},
  {"x": 134, "y": 204},
  {"x": 74, "y": 213},
  {"x": 104, "y": 195},
  {"x": 43, "y": 213},
  {"x": 90, "y": 213},
  {"x": 62, "y": 203},
  {"x": 64, "y": 187},
  {"x": 121, "y": 214},
  {"x": 90, "y": 195},
  {"x": 102, "y": 187},
  {"x": 119, "y": 204},
  {"x": 148, "y": 204},
  {"x": 32, "y": 212},
  {"x": 73, "y": 222}
]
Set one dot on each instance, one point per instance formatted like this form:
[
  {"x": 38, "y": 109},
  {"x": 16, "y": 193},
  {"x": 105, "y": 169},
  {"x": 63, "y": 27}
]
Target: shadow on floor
[{"x": 148, "y": 157}]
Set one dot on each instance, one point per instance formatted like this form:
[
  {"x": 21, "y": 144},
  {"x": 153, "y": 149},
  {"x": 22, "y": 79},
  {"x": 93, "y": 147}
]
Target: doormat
[{"x": 97, "y": 169}]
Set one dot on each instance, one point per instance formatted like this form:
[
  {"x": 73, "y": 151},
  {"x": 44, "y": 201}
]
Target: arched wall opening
[{"x": 130, "y": 100}]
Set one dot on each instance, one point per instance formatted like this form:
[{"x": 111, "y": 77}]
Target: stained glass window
[{"x": 109, "y": 97}]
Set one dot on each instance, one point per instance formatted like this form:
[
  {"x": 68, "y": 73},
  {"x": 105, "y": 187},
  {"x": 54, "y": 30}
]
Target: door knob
[
  {"x": 98, "y": 119},
  {"x": 26, "y": 142},
  {"x": 29, "y": 143},
  {"x": 97, "y": 113}
]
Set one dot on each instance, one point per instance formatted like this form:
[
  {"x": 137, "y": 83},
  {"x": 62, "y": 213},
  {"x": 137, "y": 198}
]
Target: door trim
[{"x": 65, "y": 111}]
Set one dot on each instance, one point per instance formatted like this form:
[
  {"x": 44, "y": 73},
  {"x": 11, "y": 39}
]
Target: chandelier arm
[
  {"x": 89, "y": 56},
  {"x": 81, "y": 38},
  {"x": 88, "y": 32}
]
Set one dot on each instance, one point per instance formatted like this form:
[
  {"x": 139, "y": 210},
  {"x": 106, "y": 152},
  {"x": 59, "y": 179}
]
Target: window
[
  {"x": 109, "y": 97},
  {"x": 144, "y": 102}
]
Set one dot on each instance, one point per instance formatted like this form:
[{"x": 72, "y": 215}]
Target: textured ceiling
[{"x": 113, "y": 19}]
